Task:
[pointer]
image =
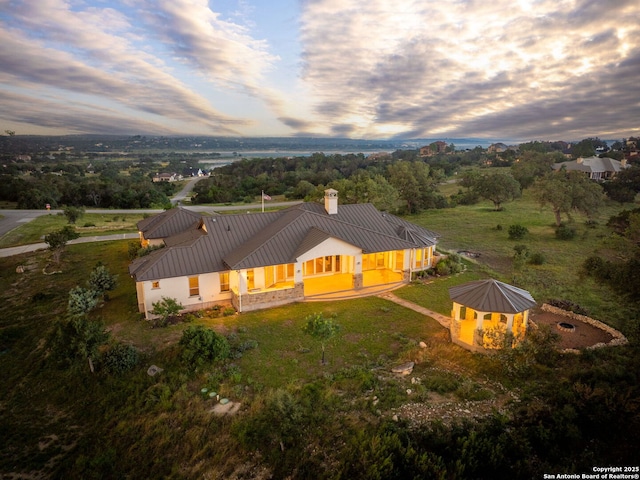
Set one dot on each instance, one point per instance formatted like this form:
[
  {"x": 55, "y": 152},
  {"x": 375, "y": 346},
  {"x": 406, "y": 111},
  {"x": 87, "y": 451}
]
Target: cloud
[
  {"x": 95, "y": 52},
  {"x": 408, "y": 68},
  {"x": 454, "y": 68}
]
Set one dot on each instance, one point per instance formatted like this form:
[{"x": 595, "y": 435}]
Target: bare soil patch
[{"x": 582, "y": 336}]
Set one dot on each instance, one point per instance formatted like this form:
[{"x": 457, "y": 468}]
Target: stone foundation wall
[
  {"x": 358, "y": 282},
  {"x": 618, "y": 338},
  {"x": 268, "y": 299}
]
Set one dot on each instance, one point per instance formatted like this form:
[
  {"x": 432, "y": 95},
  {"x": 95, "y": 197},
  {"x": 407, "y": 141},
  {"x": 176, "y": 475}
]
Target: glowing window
[
  {"x": 155, "y": 284},
  {"x": 224, "y": 282},
  {"x": 194, "y": 287}
]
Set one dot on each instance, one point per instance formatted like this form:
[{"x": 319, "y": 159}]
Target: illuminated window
[
  {"x": 194, "y": 287},
  {"x": 251, "y": 279},
  {"x": 155, "y": 284},
  {"x": 419, "y": 255},
  {"x": 224, "y": 282},
  {"x": 399, "y": 260}
]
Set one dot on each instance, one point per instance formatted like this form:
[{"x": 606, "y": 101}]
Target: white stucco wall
[
  {"x": 331, "y": 246},
  {"x": 178, "y": 288}
]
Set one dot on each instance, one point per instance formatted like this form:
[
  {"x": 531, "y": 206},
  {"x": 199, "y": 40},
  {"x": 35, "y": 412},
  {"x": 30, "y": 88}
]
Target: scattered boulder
[
  {"x": 422, "y": 345},
  {"x": 20, "y": 269},
  {"x": 153, "y": 370},
  {"x": 228, "y": 408},
  {"x": 404, "y": 369}
]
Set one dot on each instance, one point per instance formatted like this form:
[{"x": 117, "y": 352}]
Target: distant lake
[{"x": 225, "y": 156}]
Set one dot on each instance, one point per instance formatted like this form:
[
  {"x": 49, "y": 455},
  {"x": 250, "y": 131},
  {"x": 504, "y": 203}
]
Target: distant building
[
  {"x": 167, "y": 177},
  {"x": 595, "y": 168},
  {"x": 433, "y": 149}
]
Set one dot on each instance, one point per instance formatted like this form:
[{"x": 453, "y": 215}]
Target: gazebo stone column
[
  {"x": 510, "y": 323},
  {"x": 478, "y": 333},
  {"x": 455, "y": 325}
]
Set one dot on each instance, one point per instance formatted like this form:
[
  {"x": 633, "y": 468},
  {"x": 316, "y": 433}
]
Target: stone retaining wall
[{"x": 618, "y": 338}]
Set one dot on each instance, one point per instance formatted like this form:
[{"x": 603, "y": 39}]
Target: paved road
[{"x": 14, "y": 218}]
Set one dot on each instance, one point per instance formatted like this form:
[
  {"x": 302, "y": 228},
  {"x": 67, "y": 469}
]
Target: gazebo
[{"x": 487, "y": 310}]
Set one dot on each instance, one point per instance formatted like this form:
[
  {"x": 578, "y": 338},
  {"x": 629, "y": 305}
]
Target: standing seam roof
[{"x": 492, "y": 296}]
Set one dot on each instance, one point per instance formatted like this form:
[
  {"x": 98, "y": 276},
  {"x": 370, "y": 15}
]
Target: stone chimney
[
  {"x": 331, "y": 201},
  {"x": 580, "y": 160}
]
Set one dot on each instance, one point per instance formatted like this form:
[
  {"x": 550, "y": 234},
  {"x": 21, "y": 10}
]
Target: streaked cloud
[{"x": 503, "y": 69}]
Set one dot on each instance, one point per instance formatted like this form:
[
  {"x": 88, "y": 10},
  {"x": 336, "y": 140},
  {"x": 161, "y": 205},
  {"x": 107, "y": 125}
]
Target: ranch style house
[{"x": 261, "y": 260}]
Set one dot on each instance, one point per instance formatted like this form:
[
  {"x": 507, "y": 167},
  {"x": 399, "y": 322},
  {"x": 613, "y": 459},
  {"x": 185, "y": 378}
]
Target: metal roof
[
  {"x": 170, "y": 222},
  {"x": 492, "y": 296},
  {"x": 234, "y": 242},
  {"x": 592, "y": 164}
]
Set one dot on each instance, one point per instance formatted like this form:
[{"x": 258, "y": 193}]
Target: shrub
[
  {"x": 565, "y": 232},
  {"x": 202, "y": 345},
  {"x": 89, "y": 224},
  {"x": 120, "y": 358},
  {"x": 227, "y": 312},
  {"x": 537, "y": 258},
  {"x": 517, "y": 232},
  {"x": 165, "y": 308}
]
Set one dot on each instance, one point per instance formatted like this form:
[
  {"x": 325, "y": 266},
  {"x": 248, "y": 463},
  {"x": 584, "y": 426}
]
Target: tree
[
  {"x": 415, "y": 183},
  {"x": 73, "y": 213},
  {"x": 320, "y": 328},
  {"x": 79, "y": 337},
  {"x": 531, "y": 165},
  {"x": 101, "y": 281},
  {"x": 625, "y": 186},
  {"x": 82, "y": 300},
  {"x": 567, "y": 192},
  {"x": 165, "y": 308},
  {"x": 585, "y": 148},
  {"x": 498, "y": 187},
  {"x": 58, "y": 239}
]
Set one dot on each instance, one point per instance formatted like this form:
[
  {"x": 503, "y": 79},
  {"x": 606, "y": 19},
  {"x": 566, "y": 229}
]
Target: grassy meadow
[
  {"x": 90, "y": 224},
  {"x": 299, "y": 418}
]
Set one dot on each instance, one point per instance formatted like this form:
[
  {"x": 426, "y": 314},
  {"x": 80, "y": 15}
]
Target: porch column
[
  {"x": 510, "y": 323},
  {"x": 456, "y": 311},
  {"x": 480, "y": 319},
  {"x": 297, "y": 273}
]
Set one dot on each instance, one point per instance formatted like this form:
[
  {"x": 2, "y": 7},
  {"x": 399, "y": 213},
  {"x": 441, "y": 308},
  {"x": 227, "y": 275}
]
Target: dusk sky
[{"x": 503, "y": 69}]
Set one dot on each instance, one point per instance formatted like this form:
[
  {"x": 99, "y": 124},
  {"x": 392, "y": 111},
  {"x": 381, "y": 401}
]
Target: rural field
[{"x": 458, "y": 415}]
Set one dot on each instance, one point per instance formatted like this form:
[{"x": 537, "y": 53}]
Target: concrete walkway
[
  {"x": 8, "y": 252},
  {"x": 441, "y": 319}
]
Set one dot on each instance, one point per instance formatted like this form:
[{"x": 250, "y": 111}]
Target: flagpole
[{"x": 262, "y": 198}]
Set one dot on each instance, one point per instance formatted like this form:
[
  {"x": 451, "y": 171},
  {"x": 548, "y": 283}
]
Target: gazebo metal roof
[{"x": 492, "y": 296}]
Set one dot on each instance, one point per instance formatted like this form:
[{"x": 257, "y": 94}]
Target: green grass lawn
[{"x": 90, "y": 224}]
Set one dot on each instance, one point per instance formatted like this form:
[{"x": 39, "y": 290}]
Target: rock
[
  {"x": 20, "y": 269},
  {"x": 409, "y": 391},
  {"x": 404, "y": 369},
  {"x": 229, "y": 408},
  {"x": 394, "y": 418},
  {"x": 153, "y": 370},
  {"x": 422, "y": 345}
]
